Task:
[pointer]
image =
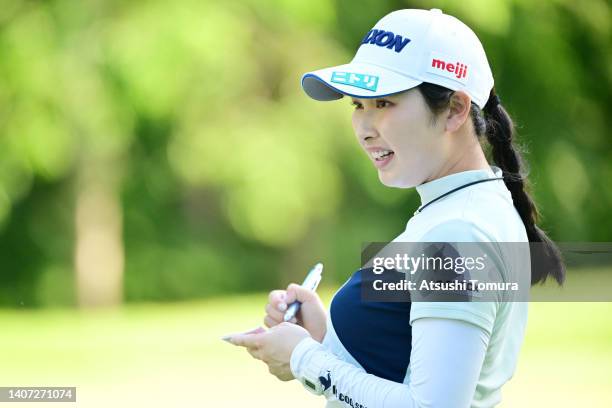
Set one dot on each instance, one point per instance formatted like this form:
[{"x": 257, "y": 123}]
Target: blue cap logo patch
[{"x": 363, "y": 81}]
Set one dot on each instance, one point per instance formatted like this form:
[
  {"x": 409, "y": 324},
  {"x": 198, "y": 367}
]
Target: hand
[
  {"x": 311, "y": 316},
  {"x": 273, "y": 347}
]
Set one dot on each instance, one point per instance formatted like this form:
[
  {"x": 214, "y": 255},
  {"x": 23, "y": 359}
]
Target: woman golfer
[{"x": 423, "y": 95}]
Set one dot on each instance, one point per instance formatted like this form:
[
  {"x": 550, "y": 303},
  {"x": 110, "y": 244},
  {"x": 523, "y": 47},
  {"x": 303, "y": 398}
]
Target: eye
[
  {"x": 382, "y": 103},
  {"x": 357, "y": 105}
]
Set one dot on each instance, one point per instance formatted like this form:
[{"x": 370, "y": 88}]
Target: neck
[{"x": 470, "y": 158}]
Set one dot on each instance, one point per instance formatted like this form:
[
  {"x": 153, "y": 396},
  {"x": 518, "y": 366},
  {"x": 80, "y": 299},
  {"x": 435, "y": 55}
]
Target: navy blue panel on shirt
[{"x": 377, "y": 334}]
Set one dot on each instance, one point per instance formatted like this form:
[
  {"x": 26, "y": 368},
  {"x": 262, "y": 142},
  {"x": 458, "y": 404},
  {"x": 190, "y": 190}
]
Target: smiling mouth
[{"x": 381, "y": 155}]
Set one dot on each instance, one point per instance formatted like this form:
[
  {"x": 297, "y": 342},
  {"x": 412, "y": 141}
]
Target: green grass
[{"x": 157, "y": 355}]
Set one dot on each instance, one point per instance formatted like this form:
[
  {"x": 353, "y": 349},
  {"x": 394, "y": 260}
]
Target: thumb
[{"x": 299, "y": 293}]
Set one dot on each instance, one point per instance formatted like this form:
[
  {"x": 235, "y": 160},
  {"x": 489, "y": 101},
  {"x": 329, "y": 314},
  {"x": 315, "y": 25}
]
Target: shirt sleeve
[
  {"x": 476, "y": 242},
  {"x": 445, "y": 364}
]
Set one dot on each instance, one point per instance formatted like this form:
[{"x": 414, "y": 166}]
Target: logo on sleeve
[
  {"x": 448, "y": 68},
  {"x": 363, "y": 81},
  {"x": 325, "y": 382}
]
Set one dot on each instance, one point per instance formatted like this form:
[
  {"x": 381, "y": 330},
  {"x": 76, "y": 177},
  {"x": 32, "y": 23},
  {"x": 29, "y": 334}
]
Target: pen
[{"x": 311, "y": 282}]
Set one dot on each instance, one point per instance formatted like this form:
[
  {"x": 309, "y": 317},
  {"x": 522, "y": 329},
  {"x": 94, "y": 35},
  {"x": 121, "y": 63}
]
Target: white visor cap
[{"x": 404, "y": 49}]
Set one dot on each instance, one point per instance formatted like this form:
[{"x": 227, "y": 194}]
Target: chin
[{"x": 394, "y": 181}]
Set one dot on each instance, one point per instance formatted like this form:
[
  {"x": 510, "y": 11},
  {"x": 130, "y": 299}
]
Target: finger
[
  {"x": 270, "y": 322},
  {"x": 244, "y": 340},
  {"x": 277, "y": 296},
  {"x": 277, "y": 300},
  {"x": 256, "y": 330},
  {"x": 293, "y": 320},
  {"x": 297, "y": 292},
  {"x": 248, "y": 340},
  {"x": 273, "y": 312}
]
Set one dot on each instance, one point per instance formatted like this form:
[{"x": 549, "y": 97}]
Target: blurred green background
[{"x": 160, "y": 156}]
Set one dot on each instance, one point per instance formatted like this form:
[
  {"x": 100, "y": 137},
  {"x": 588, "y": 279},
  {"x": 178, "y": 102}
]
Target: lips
[{"x": 380, "y": 156}]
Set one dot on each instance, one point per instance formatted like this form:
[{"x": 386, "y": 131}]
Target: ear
[{"x": 459, "y": 111}]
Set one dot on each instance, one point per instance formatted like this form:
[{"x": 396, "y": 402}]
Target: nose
[
  {"x": 365, "y": 129},
  {"x": 366, "y": 139}
]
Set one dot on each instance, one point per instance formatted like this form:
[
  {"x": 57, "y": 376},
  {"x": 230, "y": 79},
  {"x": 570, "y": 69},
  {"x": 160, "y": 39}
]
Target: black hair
[{"x": 495, "y": 124}]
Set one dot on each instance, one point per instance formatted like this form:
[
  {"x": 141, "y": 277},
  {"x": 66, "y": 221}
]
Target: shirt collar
[{"x": 435, "y": 188}]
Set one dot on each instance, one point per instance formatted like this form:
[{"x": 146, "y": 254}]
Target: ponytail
[
  {"x": 498, "y": 128},
  {"x": 500, "y": 135}
]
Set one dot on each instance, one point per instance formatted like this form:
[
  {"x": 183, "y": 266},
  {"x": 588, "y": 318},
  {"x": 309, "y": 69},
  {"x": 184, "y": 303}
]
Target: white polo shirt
[{"x": 428, "y": 354}]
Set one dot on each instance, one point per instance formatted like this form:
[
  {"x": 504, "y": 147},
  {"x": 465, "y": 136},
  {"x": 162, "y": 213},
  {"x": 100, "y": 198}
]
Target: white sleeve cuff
[
  {"x": 308, "y": 360},
  {"x": 301, "y": 355}
]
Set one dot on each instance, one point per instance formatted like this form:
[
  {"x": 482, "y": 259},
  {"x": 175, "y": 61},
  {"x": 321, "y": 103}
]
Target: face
[{"x": 399, "y": 136}]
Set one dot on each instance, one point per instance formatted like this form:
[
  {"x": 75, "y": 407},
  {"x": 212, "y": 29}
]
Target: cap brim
[{"x": 355, "y": 79}]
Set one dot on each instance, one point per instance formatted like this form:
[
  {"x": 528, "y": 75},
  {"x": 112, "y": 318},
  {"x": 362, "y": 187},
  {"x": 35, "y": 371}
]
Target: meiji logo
[
  {"x": 387, "y": 39},
  {"x": 458, "y": 68},
  {"x": 363, "y": 81},
  {"x": 454, "y": 70}
]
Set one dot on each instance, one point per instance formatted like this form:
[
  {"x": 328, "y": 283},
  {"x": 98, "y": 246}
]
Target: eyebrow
[{"x": 378, "y": 98}]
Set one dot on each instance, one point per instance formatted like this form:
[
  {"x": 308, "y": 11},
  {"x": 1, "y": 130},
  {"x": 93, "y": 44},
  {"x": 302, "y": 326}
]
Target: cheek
[
  {"x": 408, "y": 135},
  {"x": 415, "y": 144}
]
